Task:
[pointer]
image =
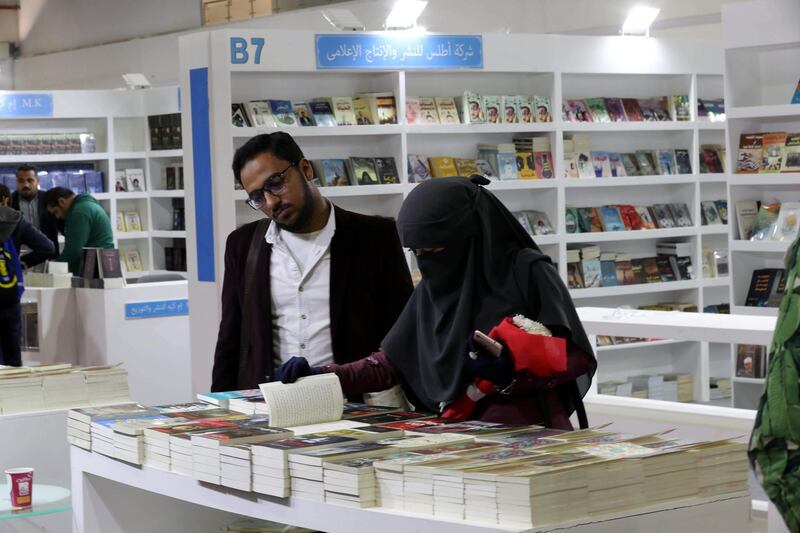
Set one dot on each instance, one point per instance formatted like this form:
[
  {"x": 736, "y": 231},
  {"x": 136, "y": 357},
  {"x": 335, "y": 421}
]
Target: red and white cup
[{"x": 20, "y": 481}]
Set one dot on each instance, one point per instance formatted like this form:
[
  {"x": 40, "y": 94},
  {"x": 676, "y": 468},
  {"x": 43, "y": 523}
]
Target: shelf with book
[
  {"x": 639, "y": 288},
  {"x": 320, "y": 131},
  {"x": 581, "y": 127},
  {"x": 632, "y": 346},
  {"x": 615, "y": 236},
  {"x": 629, "y": 181},
  {"x": 53, "y": 158},
  {"x": 506, "y": 73}
]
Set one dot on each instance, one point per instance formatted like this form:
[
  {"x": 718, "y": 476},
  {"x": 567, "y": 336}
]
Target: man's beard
[
  {"x": 28, "y": 195},
  {"x": 305, "y": 212}
]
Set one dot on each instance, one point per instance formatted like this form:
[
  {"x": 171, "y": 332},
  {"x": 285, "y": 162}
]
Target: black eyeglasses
[{"x": 274, "y": 185}]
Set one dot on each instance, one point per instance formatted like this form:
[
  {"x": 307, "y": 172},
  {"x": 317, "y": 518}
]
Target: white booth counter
[{"x": 143, "y": 326}]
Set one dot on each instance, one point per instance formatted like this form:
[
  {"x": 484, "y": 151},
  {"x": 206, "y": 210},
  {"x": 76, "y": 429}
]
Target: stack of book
[
  {"x": 720, "y": 388},
  {"x": 79, "y": 421},
  {"x": 673, "y": 387},
  {"x": 52, "y": 143},
  {"x": 60, "y": 386},
  {"x": 158, "y": 443},
  {"x": 207, "y": 447}
]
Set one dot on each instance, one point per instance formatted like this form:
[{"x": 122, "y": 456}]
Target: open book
[{"x": 310, "y": 400}]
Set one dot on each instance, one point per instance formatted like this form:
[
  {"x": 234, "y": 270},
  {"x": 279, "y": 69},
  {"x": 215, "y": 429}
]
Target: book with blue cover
[
  {"x": 94, "y": 181},
  {"x": 611, "y": 219},
  {"x": 334, "y": 172},
  {"x": 796, "y": 97},
  {"x": 608, "y": 271},
  {"x": 282, "y": 112},
  {"x": 592, "y": 273}
]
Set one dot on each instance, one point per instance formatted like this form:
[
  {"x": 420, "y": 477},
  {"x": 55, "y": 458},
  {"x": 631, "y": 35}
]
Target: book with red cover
[
  {"x": 632, "y": 110},
  {"x": 629, "y": 217},
  {"x": 597, "y": 221}
]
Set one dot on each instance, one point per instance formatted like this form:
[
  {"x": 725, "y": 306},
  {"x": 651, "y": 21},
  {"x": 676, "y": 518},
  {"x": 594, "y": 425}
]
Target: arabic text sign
[
  {"x": 155, "y": 309},
  {"x": 26, "y": 105},
  {"x": 368, "y": 51}
]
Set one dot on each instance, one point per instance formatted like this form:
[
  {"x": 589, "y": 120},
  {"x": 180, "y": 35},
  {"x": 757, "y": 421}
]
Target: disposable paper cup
[{"x": 20, "y": 480}]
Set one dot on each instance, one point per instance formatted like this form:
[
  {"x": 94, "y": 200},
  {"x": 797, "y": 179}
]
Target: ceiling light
[
  {"x": 639, "y": 20},
  {"x": 343, "y": 20},
  {"x": 404, "y": 14}
]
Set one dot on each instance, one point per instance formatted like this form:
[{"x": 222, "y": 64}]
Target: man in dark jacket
[
  {"x": 86, "y": 224},
  {"x": 15, "y": 232},
  {"x": 27, "y": 200},
  {"x": 327, "y": 283}
]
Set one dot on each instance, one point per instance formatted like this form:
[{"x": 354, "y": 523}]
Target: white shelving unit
[
  {"x": 567, "y": 67},
  {"x": 758, "y": 89},
  {"x": 118, "y": 120}
]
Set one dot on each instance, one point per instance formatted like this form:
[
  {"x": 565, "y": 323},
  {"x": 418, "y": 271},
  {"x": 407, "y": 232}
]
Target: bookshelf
[
  {"x": 118, "y": 121},
  {"x": 567, "y": 67},
  {"x": 758, "y": 92}
]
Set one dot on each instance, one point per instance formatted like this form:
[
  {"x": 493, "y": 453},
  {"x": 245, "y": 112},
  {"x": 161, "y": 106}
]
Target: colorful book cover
[
  {"x": 364, "y": 171},
  {"x": 427, "y": 111},
  {"x": 466, "y": 167},
  {"x": 796, "y": 97},
  {"x": 363, "y": 111},
  {"x": 413, "y": 112},
  {"x": 542, "y": 107},
  {"x": 526, "y": 166},
  {"x": 750, "y": 153},
  {"x": 303, "y": 113},
  {"x": 722, "y": 209},
  {"x": 772, "y": 151},
  {"x": 630, "y": 164},
  {"x": 632, "y": 110},
  {"x": 679, "y": 105},
  {"x": 602, "y": 167},
  {"x": 611, "y": 219},
  {"x": 322, "y": 113},
  {"x": 387, "y": 170},
  {"x": 596, "y": 220},
  {"x": 335, "y": 172},
  {"x": 712, "y": 160},
  {"x": 617, "y": 167},
  {"x": 597, "y": 107},
  {"x": 791, "y": 153},
  {"x": 592, "y": 273},
  {"x": 343, "y": 110},
  {"x": 283, "y": 112},
  {"x": 527, "y": 113},
  {"x": 572, "y": 219},
  {"x": 578, "y": 109},
  {"x": 630, "y": 217},
  {"x": 493, "y": 109},
  {"x": 609, "y": 273},
  {"x": 683, "y": 161},
  {"x": 666, "y": 162},
  {"x": 386, "y": 109},
  {"x": 507, "y": 165},
  {"x": 472, "y": 108},
  {"x": 544, "y": 165},
  {"x": 418, "y": 169},
  {"x": 442, "y": 167},
  {"x": 510, "y": 110},
  {"x": 447, "y": 110},
  {"x": 615, "y": 109}
]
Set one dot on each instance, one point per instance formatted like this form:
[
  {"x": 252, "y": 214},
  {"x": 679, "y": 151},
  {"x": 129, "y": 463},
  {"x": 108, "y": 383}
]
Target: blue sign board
[
  {"x": 402, "y": 51},
  {"x": 156, "y": 309},
  {"x": 26, "y": 105}
]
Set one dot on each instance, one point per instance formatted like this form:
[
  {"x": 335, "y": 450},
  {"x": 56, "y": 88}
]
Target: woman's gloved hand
[
  {"x": 482, "y": 364},
  {"x": 294, "y": 369}
]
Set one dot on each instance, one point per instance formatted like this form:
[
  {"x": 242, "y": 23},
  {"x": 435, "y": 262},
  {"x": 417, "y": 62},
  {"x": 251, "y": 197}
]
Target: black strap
[
  {"x": 249, "y": 273},
  {"x": 583, "y": 420}
]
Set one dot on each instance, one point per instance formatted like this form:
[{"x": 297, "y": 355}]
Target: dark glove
[
  {"x": 498, "y": 370},
  {"x": 294, "y": 369}
]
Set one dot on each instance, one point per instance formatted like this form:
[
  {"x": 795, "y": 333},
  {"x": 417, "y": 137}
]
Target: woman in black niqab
[
  {"x": 488, "y": 268},
  {"x": 478, "y": 266}
]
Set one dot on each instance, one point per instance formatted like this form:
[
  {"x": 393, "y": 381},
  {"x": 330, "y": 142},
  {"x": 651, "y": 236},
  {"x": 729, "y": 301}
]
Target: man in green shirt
[{"x": 86, "y": 224}]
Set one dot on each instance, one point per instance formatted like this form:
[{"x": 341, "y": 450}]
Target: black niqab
[{"x": 480, "y": 277}]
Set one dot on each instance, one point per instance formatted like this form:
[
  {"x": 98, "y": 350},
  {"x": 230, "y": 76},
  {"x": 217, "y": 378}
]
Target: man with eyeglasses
[{"x": 324, "y": 283}]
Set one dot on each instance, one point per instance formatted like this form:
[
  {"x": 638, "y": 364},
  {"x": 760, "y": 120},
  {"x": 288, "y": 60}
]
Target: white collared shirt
[{"x": 300, "y": 279}]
